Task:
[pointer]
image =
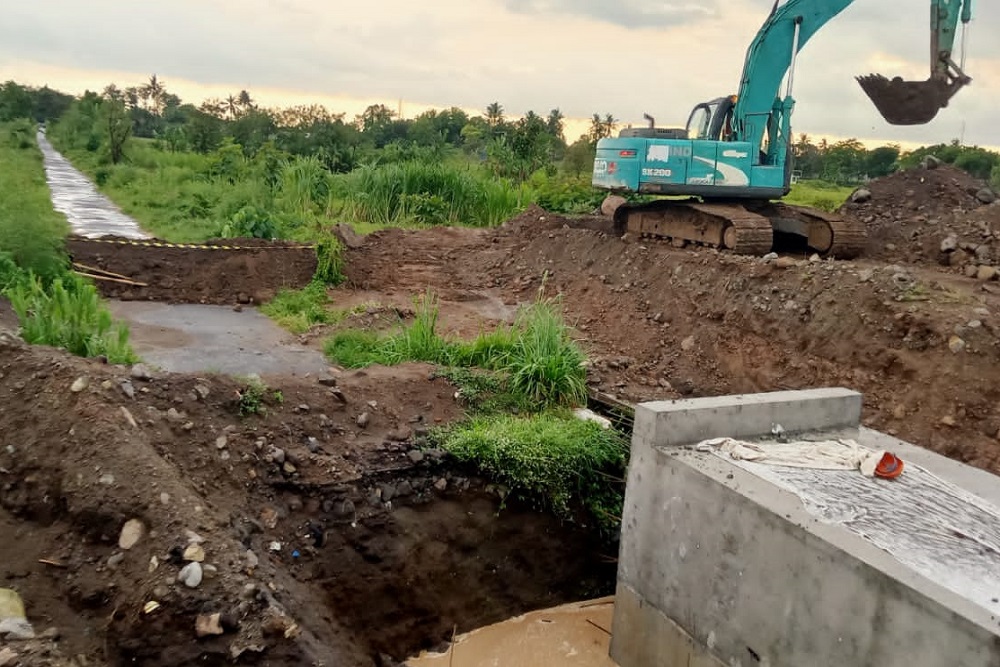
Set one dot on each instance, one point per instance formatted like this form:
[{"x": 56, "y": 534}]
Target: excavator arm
[{"x": 791, "y": 25}]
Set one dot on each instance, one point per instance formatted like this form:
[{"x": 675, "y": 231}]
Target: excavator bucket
[{"x": 908, "y": 102}]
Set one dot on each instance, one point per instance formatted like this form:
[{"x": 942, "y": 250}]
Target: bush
[
  {"x": 299, "y": 310},
  {"x": 250, "y": 222}
]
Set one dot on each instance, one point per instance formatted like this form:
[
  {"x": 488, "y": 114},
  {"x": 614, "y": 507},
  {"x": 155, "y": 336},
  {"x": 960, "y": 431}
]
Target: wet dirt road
[{"x": 89, "y": 213}]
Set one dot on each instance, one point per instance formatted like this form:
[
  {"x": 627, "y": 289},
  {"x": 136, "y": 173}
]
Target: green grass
[
  {"x": 31, "y": 231},
  {"x": 300, "y": 310},
  {"x": 424, "y": 193},
  {"x": 552, "y": 459},
  {"x": 819, "y": 194},
  {"x": 536, "y": 353},
  {"x": 68, "y": 313}
]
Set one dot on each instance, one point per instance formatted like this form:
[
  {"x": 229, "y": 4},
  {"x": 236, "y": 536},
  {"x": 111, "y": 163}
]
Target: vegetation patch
[
  {"x": 552, "y": 459},
  {"x": 537, "y": 355}
]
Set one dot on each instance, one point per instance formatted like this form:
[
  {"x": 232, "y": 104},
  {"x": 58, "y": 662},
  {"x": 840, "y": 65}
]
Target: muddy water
[{"x": 90, "y": 213}]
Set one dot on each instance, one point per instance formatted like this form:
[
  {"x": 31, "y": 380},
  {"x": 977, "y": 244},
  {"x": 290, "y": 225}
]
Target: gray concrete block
[{"x": 676, "y": 423}]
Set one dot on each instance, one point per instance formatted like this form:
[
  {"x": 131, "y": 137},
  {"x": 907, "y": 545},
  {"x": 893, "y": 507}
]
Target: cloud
[
  {"x": 583, "y": 57},
  {"x": 625, "y": 13}
]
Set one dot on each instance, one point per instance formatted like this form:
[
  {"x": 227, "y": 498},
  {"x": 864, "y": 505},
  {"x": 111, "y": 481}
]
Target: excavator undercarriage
[{"x": 744, "y": 228}]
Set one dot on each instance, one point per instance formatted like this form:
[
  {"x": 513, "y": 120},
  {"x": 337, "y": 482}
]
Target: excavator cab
[{"x": 712, "y": 121}]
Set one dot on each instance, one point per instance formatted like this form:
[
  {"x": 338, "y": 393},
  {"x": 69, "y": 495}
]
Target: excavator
[{"x": 734, "y": 158}]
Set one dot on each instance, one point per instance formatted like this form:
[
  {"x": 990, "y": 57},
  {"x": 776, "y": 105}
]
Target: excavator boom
[{"x": 918, "y": 102}]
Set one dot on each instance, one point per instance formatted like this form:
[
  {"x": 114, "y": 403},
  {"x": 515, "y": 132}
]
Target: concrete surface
[
  {"x": 89, "y": 213},
  {"x": 190, "y": 338},
  {"x": 719, "y": 566},
  {"x": 573, "y": 635}
]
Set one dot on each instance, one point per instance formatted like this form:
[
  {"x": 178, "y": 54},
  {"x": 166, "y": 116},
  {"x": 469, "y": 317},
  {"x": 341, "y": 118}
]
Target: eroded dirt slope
[
  {"x": 324, "y": 534},
  {"x": 921, "y": 343}
]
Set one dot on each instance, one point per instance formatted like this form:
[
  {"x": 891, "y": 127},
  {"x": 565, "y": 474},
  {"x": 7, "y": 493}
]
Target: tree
[
  {"x": 494, "y": 118},
  {"x": 15, "y": 101},
  {"x": 601, "y": 128},
  {"x": 556, "y": 124},
  {"x": 881, "y": 161},
  {"x": 154, "y": 91},
  {"x": 246, "y": 103},
  {"x": 117, "y": 122}
]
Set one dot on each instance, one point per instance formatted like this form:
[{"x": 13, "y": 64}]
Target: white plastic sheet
[{"x": 928, "y": 524}]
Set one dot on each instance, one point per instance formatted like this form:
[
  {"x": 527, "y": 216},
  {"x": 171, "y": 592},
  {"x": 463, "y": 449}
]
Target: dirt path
[
  {"x": 183, "y": 338},
  {"x": 89, "y": 213}
]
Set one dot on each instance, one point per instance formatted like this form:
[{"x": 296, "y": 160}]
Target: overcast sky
[{"x": 583, "y": 56}]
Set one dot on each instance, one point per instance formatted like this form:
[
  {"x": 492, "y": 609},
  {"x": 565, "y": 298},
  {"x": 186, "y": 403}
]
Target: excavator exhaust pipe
[{"x": 909, "y": 102}]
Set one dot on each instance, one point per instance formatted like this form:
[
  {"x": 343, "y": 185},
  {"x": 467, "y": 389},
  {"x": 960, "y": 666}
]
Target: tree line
[{"x": 510, "y": 148}]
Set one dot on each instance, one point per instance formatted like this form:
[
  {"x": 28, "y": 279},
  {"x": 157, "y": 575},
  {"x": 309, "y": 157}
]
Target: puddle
[
  {"x": 573, "y": 635},
  {"x": 89, "y": 213}
]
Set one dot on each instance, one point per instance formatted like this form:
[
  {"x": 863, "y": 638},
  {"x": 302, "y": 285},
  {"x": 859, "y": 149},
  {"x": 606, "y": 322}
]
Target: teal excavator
[{"x": 733, "y": 160}]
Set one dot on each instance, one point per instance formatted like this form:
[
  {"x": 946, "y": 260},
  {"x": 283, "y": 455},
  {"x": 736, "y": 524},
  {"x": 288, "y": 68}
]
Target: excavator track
[
  {"x": 746, "y": 228},
  {"x": 726, "y": 226}
]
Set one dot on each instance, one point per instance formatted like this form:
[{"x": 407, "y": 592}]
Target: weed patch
[{"x": 254, "y": 396}]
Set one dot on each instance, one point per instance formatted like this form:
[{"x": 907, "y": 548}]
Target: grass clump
[
  {"x": 542, "y": 363},
  {"x": 551, "y": 459},
  {"x": 299, "y": 310},
  {"x": 254, "y": 395}
]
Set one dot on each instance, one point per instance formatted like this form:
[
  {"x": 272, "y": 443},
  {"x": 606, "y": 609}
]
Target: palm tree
[
  {"x": 232, "y": 107},
  {"x": 154, "y": 91},
  {"x": 246, "y": 103},
  {"x": 556, "y": 124},
  {"x": 494, "y": 115}
]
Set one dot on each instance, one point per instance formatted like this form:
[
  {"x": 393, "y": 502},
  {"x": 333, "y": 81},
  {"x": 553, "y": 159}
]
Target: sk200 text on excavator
[{"x": 734, "y": 158}]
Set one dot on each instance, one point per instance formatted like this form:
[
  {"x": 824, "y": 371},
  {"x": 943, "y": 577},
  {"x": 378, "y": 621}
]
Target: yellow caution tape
[{"x": 190, "y": 246}]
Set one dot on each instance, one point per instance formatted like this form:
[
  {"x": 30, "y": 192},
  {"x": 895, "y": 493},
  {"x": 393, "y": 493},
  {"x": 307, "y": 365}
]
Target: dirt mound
[
  {"x": 320, "y": 541},
  {"x": 252, "y": 274},
  {"x": 910, "y": 213},
  {"x": 661, "y": 323}
]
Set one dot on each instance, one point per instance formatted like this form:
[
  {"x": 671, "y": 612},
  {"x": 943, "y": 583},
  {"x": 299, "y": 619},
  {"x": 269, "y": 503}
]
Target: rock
[
  {"x": 441, "y": 484},
  {"x": 415, "y": 455},
  {"x": 949, "y": 243},
  {"x": 388, "y": 492},
  {"x": 866, "y": 275},
  {"x": 194, "y": 553},
  {"x": 971, "y": 271},
  {"x": 289, "y": 468},
  {"x": 209, "y": 571},
  {"x": 51, "y": 634},
  {"x": 930, "y": 162},
  {"x": 338, "y": 394},
  {"x": 303, "y": 407},
  {"x": 815, "y": 258},
  {"x": 127, "y": 388},
  {"x": 611, "y": 204},
  {"x": 79, "y": 384},
  {"x": 8, "y": 657},
  {"x": 328, "y": 381},
  {"x": 175, "y": 416},
  {"x": 948, "y": 420},
  {"x": 958, "y": 258},
  {"x": 16, "y": 629},
  {"x": 785, "y": 262},
  {"x": 363, "y": 420},
  {"x": 165, "y": 498},
  {"x": 769, "y": 257},
  {"x": 404, "y": 489},
  {"x": 400, "y": 434},
  {"x": 201, "y": 391},
  {"x": 107, "y": 479},
  {"x": 206, "y": 625},
  {"x": 688, "y": 343},
  {"x": 956, "y": 344},
  {"x": 116, "y": 559},
  {"x": 275, "y": 454},
  {"x": 861, "y": 195},
  {"x": 11, "y": 605},
  {"x": 221, "y": 442},
  {"x": 141, "y": 372},
  {"x": 190, "y": 575},
  {"x": 129, "y": 419},
  {"x": 985, "y": 273},
  {"x": 132, "y": 532},
  {"x": 250, "y": 560},
  {"x": 986, "y": 196}
]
